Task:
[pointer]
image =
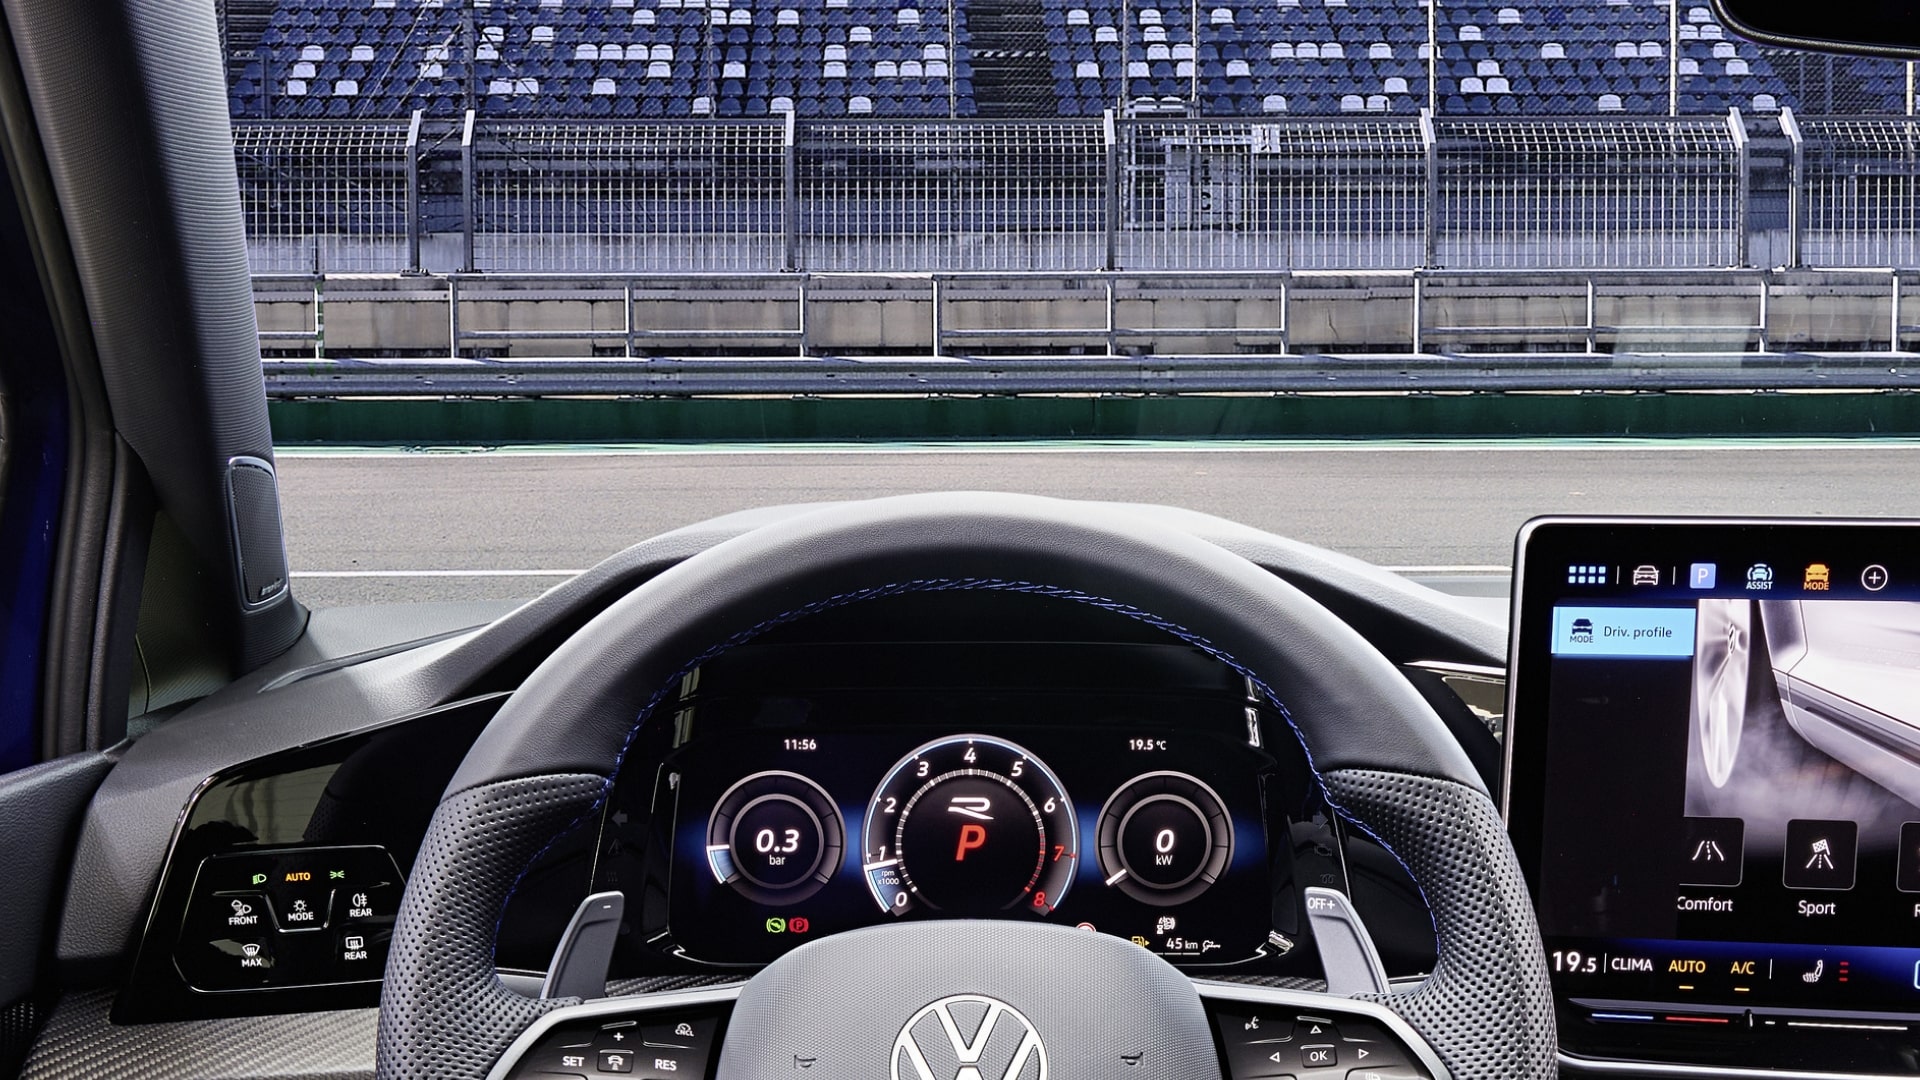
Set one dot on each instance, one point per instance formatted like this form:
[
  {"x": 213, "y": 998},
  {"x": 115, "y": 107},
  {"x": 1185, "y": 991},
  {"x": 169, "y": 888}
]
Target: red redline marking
[{"x": 1697, "y": 1019}]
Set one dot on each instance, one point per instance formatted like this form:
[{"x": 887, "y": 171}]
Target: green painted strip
[{"x": 389, "y": 422}]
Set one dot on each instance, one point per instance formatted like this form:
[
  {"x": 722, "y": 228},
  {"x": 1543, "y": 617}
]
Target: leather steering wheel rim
[{"x": 1384, "y": 759}]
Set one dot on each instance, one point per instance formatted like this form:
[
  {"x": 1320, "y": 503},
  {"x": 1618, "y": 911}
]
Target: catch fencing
[{"x": 1110, "y": 194}]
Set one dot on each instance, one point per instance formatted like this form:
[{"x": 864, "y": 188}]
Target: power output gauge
[{"x": 1164, "y": 838}]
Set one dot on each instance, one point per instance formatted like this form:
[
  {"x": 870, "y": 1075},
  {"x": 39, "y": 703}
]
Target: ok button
[{"x": 1318, "y": 1057}]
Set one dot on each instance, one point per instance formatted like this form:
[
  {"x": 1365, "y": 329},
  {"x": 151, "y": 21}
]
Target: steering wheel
[{"x": 1384, "y": 758}]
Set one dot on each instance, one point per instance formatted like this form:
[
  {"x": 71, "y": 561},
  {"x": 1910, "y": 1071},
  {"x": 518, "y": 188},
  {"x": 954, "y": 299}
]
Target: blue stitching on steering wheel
[{"x": 926, "y": 585}]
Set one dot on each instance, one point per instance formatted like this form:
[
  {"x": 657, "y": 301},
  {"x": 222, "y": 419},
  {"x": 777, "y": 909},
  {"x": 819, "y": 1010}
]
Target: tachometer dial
[
  {"x": 970, "y": 825},
  {"x": 1164, "y": 838},
  {"x": 776, "y": 837}
]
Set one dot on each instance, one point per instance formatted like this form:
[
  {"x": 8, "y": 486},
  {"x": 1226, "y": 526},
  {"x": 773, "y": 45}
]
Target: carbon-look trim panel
[{"x": 80, "y": 1043}]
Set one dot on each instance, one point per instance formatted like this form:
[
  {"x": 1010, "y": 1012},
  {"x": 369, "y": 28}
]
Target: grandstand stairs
[
  {"x": 1012, "y": 74},
  {"x": 243, "y": 23}
]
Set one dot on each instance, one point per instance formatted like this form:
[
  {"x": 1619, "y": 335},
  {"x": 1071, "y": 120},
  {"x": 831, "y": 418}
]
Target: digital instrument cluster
[{"x": 1158, "y": 837}]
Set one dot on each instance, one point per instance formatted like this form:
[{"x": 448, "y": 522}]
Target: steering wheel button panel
[{"x": 1262, "y": 1044}]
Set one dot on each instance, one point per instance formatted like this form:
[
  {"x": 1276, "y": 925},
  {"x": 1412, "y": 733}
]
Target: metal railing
[{"x": 1114, "y": 194}]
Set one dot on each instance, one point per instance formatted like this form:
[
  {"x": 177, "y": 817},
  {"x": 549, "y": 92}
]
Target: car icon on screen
[
  {"x": 1581, "y": 631},
  {"x": 1646, "y": 575}
]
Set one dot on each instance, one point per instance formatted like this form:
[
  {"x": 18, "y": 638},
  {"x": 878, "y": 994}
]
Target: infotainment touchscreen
[{"x": 1714, "y": 787}]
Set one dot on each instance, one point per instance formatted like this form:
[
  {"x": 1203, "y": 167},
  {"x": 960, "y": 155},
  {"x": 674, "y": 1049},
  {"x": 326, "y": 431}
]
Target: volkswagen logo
[{"x": 969, "y": 1037}]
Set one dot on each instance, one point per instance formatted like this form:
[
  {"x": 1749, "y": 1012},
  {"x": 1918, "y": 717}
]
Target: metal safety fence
[
  {"x": 1145, "y": 194},
  {"x": 628, "y": 197},
  {"x": 1857, "y": 191},
  {"x": 331, "y": 197},
  {"x": 1661, "y": 193}
]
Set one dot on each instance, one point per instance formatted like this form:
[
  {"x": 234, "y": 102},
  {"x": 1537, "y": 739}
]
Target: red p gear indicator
[{"x": 971, "y": 837}]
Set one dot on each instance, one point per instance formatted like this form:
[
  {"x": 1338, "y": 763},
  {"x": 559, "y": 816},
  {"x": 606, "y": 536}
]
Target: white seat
[
  {"x": 1149, "y": 17},
  {"x": 1153, "y": 33},
  {"x": 1470, "y": 33},
  {"x": 302, "y": 70},
  {"x": 859, "y": 103},
  {"x": 1625, "y": 50},
  {"x": 1079, "y": 17},
  {"x": 361, "y": 54},
  {"x": 661, "y": 51},
  {"x": 834, "y": 52},
  {"x": 1498, "y": 85},
  {"x": 907, "y": 17},
  {"x": 486, "y": 51},
  {"x": 1238, "y": 69},
  {"x": 1183, "y": 51},
  {"x": 1487, "y": 67},
  {"x": 1159, "y": 51},
  {"x": 586, "y": 52},
  {"x": 1553, "y": 50},
  {"x": 315, "y": 53},
  {"x": 1332, "y": 50},
  {"x": 1394, "y": 85},
  {"x": 604, "y": 87},
  {"x": 1422, "y": 50},
  {"x": 782, "y": 104},
  {"x": 1378, "y": 103},
  {"x": 501, "y": 87},
  {"x": 346, "y": 88},
  {"x": 1273, "y": 103},
  {"x": 833, "y": 69},
  {"x": 703, "y": 106},
  {"x": 1509, "y": 17},
  {"x": 659, "y": 69},
  {"x": 1183, "y": 70},
  {"x": 1609, "y": 103},
  {"x": 732, "y": 69},
  {"x": 1306, "y": 50},
  {"x": 1106, "y": 34},
  {"x": 934, "y": 52},
  {"x": 740, "y": 17},
  {"x": 1471, "y": 84},
  {"x": 1765, "y": 103},
  {"x": 1220, "y": 16},
  {"x": 1737, "y": 66},
  {"x": 1379, "y": 50},
  {"x": 1711, "y": 30},
  {"x": 1352, "y": 103},
  {"x": 1689, "y": 32},
  {"x": 1699, "y": 15},
  {"x": 296, "y": 88},
  {"x": 886, "y": 69},
  {"x": 1725, "y": 51},
  {"x": 937, "y": 69},
  {"x": 542, "y": 35},
  {"x": 1137, "y": 69},
  {"x": 1651, "y": 50},
  {"x": 860, "y": 34},
  {"x": 786, "y": 17},
  {"x": 911, "y": 69},
  {"x": 432, "y": 71},
  {"x": 620, "y": 3},
  {"x": 636, "y": 53},
  {"x": 643, "y": 17},
  {"x": 1689, "y": 66}
]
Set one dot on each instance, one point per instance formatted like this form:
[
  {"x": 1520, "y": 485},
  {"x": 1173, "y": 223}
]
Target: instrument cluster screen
[
  {"x": 1158, "y": 836},
  {"x": 1715, "y": 787}
]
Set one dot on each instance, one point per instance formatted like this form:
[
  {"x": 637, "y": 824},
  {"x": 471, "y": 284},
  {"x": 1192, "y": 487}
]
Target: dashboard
[{"x": 1705, "y": 758}]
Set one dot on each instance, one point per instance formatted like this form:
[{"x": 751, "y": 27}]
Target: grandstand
[{"x": 1035, "y": 59}]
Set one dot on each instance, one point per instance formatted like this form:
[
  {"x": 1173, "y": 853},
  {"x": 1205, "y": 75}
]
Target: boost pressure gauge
[
  {"x": 775, "y": 837},
  {"x": 970, "y": 825}
]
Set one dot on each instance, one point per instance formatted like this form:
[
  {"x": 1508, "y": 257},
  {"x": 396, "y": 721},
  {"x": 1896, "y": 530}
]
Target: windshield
[{"x": 663, "y": 259}]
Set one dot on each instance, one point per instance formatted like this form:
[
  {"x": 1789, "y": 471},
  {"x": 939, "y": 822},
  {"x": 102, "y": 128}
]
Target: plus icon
[{"x": 1874, "y": 578}]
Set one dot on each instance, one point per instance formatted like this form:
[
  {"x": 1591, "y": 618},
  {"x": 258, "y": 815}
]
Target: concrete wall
[{"x": 393, "y": 316}]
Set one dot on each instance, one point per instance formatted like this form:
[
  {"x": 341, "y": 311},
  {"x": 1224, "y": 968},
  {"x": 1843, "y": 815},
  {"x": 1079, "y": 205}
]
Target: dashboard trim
[{"x": 1649, "y": 1068}]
